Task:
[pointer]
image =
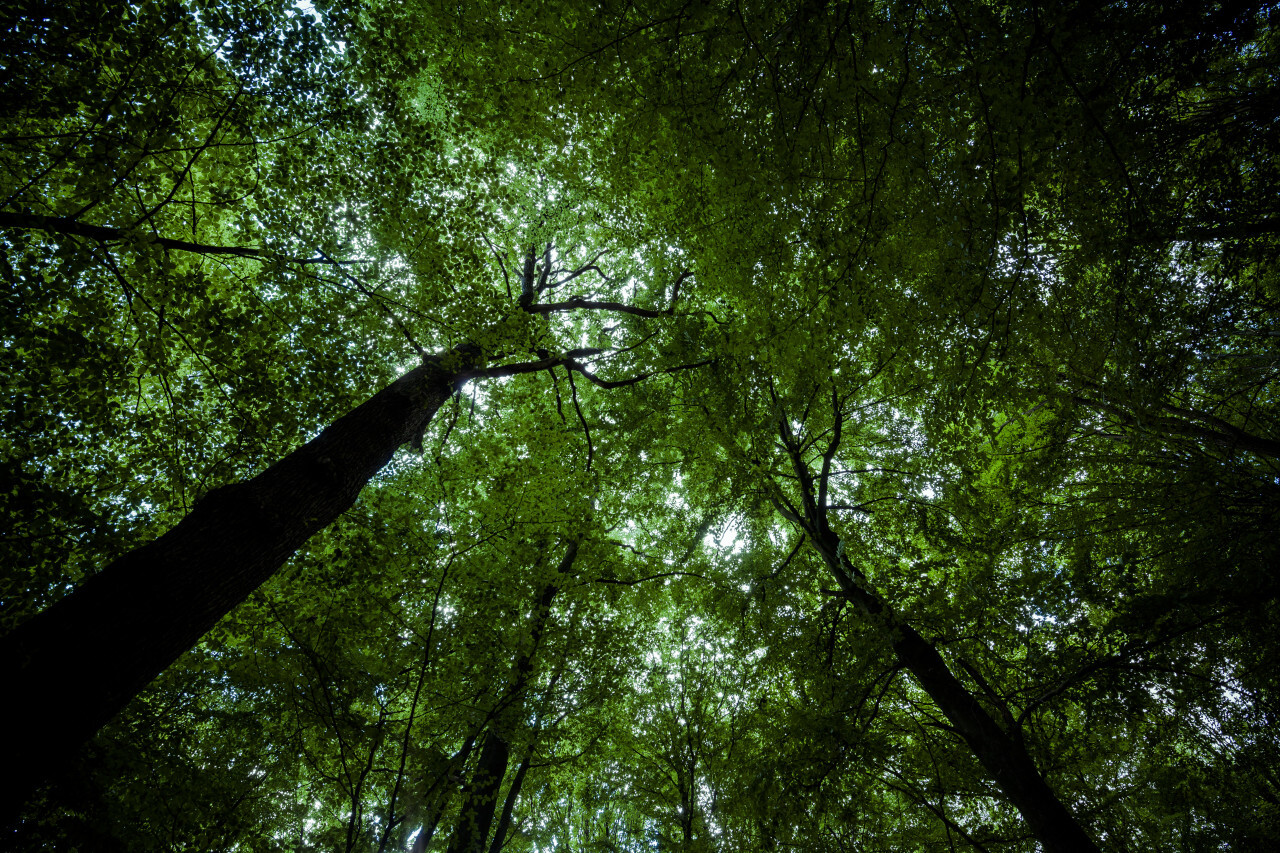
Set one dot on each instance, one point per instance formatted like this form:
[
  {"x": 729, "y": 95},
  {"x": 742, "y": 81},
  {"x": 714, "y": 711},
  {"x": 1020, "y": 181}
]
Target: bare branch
[
  {"x": 501, "y": 264},
  {"x": 588, "y": 267},
  {"x": 855, "y": 507},
  {"x": 619, "y": 383},
  {"x": 377, "y": 300},
  {"x": 545, "y": 363},
  {"x": 578, "y": 302},
  {"x": 791, "y": 556},
  {"x": 832, "y": 447},
  {"x": 675, "y": 290},
  {"x": 586, "y": 430},
  {"x": 633, "y": 549},
  {"x": 104, "y": 234},
  {"x": 633, "y": 582}
]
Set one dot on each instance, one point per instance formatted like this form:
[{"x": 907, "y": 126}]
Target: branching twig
[{"x": 590, "y": 266}]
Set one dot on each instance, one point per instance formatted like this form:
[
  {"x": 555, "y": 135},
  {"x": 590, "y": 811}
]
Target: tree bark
[{"x": 71, "y": 668}]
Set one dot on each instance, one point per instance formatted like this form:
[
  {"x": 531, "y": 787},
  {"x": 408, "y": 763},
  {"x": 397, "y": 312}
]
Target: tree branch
[
  {"x": 578, "y": 302},
  {"x": 634, "y": 581},
  {"x": 586, "y": 430},
  {"x": 619, "y": 383},
  {"x": 104, "y": 234}
]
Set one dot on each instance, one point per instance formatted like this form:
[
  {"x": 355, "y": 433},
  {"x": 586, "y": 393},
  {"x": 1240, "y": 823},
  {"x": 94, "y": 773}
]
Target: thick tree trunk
[
  {"x": 1002, "y": 755},
  {"x": 71, "y": 668}
]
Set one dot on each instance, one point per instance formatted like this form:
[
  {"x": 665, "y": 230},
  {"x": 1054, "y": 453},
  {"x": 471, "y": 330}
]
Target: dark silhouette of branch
[
  {"x": 586, "y": 430},
  {"x": 619, "y": 383},
  {"x": 103, "y": 234},
  {"x": 634, "y": 581},
  {"x": 590, "y": 266},
  {"x": 578, "y": 302}
]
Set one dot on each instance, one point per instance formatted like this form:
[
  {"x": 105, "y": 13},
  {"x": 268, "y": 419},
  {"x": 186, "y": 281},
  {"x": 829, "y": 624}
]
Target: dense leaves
[{"x": 861, "y": 395}]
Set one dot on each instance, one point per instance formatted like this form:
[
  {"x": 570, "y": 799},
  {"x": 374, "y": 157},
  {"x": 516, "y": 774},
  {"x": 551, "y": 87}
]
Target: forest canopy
[{"x": 651, "y": 426}]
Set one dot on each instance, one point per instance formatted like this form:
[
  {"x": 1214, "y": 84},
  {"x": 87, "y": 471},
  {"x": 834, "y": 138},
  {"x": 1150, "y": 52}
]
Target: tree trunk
[
  {"x": 1002, "y": 755},
  {"x": 476, "y": 816},
  {"x": 74, "y": 666},
  {"x": 436, "y": 804},
  {"x": 508, "y": 808}
]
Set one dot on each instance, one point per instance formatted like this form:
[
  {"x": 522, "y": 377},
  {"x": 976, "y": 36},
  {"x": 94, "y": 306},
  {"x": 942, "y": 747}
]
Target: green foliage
[{"x": 1001, "y": 280}]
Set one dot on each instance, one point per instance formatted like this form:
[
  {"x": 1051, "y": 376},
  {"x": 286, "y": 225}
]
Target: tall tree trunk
[
  {"x": 1000, "y": 753},
  {"x": 71, "y": 668},
  {"x": 476, "y": 816},
  {"x": 508, "y": 807}
]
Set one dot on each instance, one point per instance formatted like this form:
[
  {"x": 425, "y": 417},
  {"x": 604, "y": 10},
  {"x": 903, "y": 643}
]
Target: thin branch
[
  {"x": 586, "y": 430},
  {"x": 675, "y": 290},
  {"x": 103, "y": 234},
  {"x": 501, "y": 264},
  {"x": 546, "y": 363},
  {"x": 578, "y": 302},
  {"x": 783, "y": 564},
  {"x": 832, "y": 447},
  {"x": 633, "y": 549},
  {"x": 633, "y": 582},
  {"x": 855, "y": 507},
  {"x": 590, "y": 266},
  {"x": 619, "y": 383},
  {"x": 376, "y": 299}
]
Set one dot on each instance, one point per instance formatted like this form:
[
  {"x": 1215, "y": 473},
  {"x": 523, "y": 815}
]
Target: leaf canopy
[{"x": 985, "y": 295}]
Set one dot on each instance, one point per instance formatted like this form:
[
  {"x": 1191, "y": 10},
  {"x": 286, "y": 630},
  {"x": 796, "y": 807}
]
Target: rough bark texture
[
  {"x": 1002, "y": 755},
  {"x": 71, "y": 668}
]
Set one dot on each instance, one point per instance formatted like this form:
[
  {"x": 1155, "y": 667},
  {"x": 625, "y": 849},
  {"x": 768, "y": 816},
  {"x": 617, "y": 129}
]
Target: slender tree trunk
[
  {"x": 476, "y": 816},
  {"x": 1001, "y": 754},
  {"x": 71, "y": 668},
  {"x": 508, "y": 807}
]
